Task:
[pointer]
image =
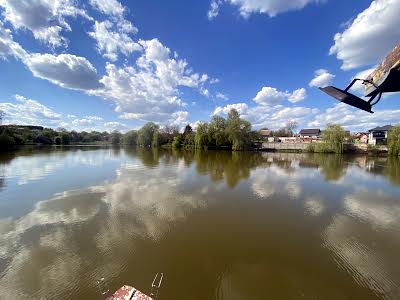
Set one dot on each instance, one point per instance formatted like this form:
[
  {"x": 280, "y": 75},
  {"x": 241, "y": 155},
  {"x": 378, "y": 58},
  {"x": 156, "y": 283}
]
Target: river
[{"x": 219, "y": 225}]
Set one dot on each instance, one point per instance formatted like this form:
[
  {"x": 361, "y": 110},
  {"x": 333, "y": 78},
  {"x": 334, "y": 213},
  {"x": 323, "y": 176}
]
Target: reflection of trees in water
[
  {"x": 333, "y": 167},
  {"x": 392, "y": 170},
  {"x": 386, "y": 166},
  {"x": 235, "y": 166},
  {"x": 231, "y": 166},
  {"x": 148, "y": 156}
]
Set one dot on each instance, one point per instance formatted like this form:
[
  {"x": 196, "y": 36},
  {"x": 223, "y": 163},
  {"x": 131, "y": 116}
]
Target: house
[
  {"x": 265, "y": 133},
  {"x": 310, "y": 133},
  {"x": 378, "y": 135},
  {"x": 364, "y": 138}
]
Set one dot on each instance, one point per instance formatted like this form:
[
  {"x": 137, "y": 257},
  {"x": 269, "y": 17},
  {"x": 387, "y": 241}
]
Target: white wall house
[
  {"x": 310, "y": 133},
  {"x": 378, "y": 135}
]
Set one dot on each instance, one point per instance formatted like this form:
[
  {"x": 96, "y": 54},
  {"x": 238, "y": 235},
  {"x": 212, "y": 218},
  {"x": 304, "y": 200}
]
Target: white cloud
[
  {"x": 65, "y": 70},
  {"x": 108, "y": 7},
  {"x": 179, "y": 118},
  {"x": 214, "y": 9},
  {"x": 271, "y": 96},
  {"x": 322, "y": 78},
  {"x": 269, "y": 7},
  {"x": 221, "y": 96},
  {"x": 298, "y": 95},
  {"x": 46, "y": 19},
  {"x": 354, "y": 119},
  {"x": 370, "y": 36},
  {"x": 149, "y": 90},
  {"x": 29, "y": 112},
  {"x": 240, "y": 107},
  {"x": 7, "y": 45},
  {"x": 111, "y": 41},
  {"x": 115, "y": 126}
]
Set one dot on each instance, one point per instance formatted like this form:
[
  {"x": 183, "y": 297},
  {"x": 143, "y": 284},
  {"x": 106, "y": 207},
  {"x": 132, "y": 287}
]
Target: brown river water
[{"x": 219, "y": 225}]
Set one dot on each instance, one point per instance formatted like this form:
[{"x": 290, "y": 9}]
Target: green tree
[
  {"x": 201, "y": 136},
  {"x": 333, "y": 138},
  {"x": 6, "y": 140},
  {"x": 155, "y": 143},
  {"x": 217, "y": 131},
  {"x": 238, "y": 131},
  {"x": 115, "y": 138},
  {"x": 145, "y": 134},
  {"x": 177, "y": 142},
  {"x": 394, "y": 141},
  {"x": 65, "y": 138},
  {"x": 130, "y": 138},
  {"x": 57, "y": 140}
]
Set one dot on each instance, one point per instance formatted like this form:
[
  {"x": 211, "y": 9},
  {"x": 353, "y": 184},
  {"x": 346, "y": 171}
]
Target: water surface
[{"x": 219, "y": 225}]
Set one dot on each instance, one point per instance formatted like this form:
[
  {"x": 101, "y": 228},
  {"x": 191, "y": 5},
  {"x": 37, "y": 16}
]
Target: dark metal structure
[{"x": 384, "y": 79}]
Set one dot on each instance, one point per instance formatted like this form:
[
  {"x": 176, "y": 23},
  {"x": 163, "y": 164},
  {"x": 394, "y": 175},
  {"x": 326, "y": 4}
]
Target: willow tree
[
  {"x": 201, "y": 137},
  {"x": 333, "y": 138},
  {"x": 146, "y": 134},
  {"x": 394, "y": 141}
]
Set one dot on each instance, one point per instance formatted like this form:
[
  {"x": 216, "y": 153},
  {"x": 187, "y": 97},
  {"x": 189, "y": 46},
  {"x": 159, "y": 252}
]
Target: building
[
  {"x": 378, "y": 135},
  {"x": 265, "y": 133},
  {"x": 310, "y": 133},
  {"x": 364, "y": 138}
]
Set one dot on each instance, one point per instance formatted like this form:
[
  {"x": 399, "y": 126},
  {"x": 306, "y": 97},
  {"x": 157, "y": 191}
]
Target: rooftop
[
  {"x": 383, "y": 128},
  {"x": 309, "y": 131}
]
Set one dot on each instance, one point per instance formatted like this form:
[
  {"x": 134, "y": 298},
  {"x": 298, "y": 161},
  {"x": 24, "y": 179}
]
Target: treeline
[
  {"x": 231, "y": 133},
  {"x": 24, "y": 135}
]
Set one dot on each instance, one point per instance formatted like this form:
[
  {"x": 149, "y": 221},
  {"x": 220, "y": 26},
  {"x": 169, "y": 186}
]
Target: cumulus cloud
[
  {"x": 322, "y": 78},
  {"x": 271, "y": 96},
  {"x": 268, "y": 7},
  {"x": 240, "y": 107},
  {"x": 354, "y": 119},
  {"x": 108, "y": 7},
  {"x": 149, "y": 90},
  {"x": 46, "y": 19},
  {"x": 65, "y": 70},
  {"x": 298, "y": 95},
  {"x": 28, "y": 111},
  {"x": 372, "y": 34},
  {"x": 111, "y": 41}
]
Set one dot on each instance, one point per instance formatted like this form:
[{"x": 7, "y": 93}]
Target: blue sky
[{"x": 106, "y": 65}]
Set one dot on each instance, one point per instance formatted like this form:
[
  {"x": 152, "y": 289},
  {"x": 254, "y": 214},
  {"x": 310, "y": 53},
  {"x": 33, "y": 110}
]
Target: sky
[{"x": 110, "y": 65}]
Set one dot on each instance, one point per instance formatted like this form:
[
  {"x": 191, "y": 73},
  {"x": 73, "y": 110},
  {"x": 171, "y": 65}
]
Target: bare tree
[{"x": 291, "y": 126}]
